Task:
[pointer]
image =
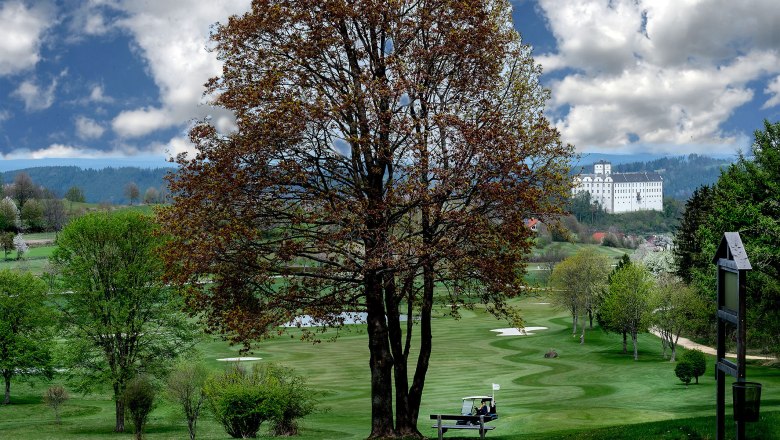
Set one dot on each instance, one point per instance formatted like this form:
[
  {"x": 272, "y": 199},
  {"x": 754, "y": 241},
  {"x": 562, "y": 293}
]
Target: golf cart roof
[{"x": 478, "y": 397}]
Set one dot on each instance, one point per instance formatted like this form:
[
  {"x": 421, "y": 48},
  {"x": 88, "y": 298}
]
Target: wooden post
[
  {"x": 438, "y": 423},
  {"x": 481, "y": 426}
]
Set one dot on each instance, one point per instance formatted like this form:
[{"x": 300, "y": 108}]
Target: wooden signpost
[{"x": 733, "y": 264}]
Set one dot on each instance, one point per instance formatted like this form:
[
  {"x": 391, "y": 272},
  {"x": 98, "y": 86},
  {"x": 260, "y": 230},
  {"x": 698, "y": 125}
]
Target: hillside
[
  {"x": 102, "y": 185},
  {"x": 682, "y": 174}
]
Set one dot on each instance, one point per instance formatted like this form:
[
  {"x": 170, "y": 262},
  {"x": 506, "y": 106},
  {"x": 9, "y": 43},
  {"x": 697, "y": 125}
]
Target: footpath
[{"x": 687, "y": 343}]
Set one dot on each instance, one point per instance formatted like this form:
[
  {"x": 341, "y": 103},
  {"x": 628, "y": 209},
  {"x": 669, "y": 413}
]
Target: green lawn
[{"x": 591, "y": 391}]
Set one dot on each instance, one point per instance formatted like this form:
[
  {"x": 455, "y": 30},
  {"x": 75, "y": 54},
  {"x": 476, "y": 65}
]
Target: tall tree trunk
[
  {"x": 574, "y": 322},
  {"x": 400, "y": 367},
  {"x": 590, "y": 317},
  {"x": 582, "y": 335},
  {"x": 7, "y": 377},
  {"x": 636, "y": 352},
  {"x": 380, "y": 361},
  {"x": 120, "y": 409}
]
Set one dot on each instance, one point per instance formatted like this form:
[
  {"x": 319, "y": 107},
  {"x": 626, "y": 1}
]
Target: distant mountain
[
  {"x": 145, "y": 162},
  {"x": 99, "y": 185},
  {"x": 681, "y": 174}
]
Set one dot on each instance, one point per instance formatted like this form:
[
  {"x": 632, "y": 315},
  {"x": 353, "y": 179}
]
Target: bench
[{"x": 461, "y": 422}]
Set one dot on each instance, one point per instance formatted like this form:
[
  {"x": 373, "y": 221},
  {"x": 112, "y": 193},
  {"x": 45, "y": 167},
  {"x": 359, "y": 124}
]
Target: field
[{"x": 591, "y": 391}]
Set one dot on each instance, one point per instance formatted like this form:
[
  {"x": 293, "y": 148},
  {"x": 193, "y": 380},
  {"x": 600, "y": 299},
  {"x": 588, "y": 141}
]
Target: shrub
[
  {"x": 185, "y": 387},
  {"x": 698, "y": 362},
  {"x": 240, "y": 400},
  {"x": 684, "y": 371},
  {"x": 139, "y": 401},
  {"x": 296, "y": 398},
  {"x": 55, "y": 397}
]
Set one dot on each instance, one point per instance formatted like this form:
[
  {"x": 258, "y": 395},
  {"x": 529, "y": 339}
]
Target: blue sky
[{"x": 123, "y": 78}]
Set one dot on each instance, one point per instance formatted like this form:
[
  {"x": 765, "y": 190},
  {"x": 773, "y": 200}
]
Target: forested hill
[
  {"x": 103, "y": 185},
  {"x": 682, "y": 174}
]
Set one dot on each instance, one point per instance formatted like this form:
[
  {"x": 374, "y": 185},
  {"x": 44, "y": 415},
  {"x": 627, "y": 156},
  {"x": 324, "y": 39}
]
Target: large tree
[
  {"x": 627, "y": 305},
  {"x": 390, "y": 146},
  {"x": 25, "y": 328},
  {"x": 121, "y": 319},
  {"x": 578, "y": 284},
  {"x": 24, "y": 189},
  {"x": 676, "y": 308}
]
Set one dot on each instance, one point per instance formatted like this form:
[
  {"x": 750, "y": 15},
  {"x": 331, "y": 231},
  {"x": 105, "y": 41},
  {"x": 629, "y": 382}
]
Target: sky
[{"x": 123, "y": 79}]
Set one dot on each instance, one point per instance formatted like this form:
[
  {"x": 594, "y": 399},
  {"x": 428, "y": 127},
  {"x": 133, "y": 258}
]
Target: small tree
[
  {"x": 25, "y": 324},
  {"x": 151, "y": 196},
  {"x": 297, "y": 399},
  {"x": 139, "y": 401},
  {"x": 697, "y": 361},
  {"x": 7, "y": 242},
  {"x": 32, "y": 215},
  {"x": 21, "y": 246},
  {"x": 75, "y": 195},
  {"x": 627, "y": 304},
  {"x": 9, "y": 215},
  {"x": 54, "y": 397},
  {"x": 185, "y": 386},
  {"x": 132, "y": 192},
  {"x": 684, "y": 371}
]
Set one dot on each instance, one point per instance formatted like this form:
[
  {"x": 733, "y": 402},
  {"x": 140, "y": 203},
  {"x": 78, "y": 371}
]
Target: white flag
[{"x": 496, "y": 387}]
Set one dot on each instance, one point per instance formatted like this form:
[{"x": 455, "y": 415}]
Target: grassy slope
[{"x": 587, "y": 389}]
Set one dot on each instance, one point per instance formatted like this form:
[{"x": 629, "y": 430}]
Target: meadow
[{"x": 590, "y": 391}]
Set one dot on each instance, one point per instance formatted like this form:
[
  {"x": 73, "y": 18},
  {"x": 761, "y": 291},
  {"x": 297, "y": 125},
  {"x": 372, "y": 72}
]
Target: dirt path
[{"x": 687, "y": 343}]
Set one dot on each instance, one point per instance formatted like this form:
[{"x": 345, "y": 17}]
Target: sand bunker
[
  {"x": 524, "y": 331},
  {"x": 239, "y": 359}
]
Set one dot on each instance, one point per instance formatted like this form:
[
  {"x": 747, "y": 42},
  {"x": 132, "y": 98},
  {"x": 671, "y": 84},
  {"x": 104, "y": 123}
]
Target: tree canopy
[
  {"x": 381, "y": 148},
  {"x": 746, "y": 199},
  {"x": 25, "y": 328},
  {"x": 120, "y": 320}
]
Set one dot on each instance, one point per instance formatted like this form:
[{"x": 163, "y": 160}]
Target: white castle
[{"x": 621, "y": 192}]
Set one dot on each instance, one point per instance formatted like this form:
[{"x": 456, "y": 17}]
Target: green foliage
[
  {"x": 25, "y": 328},
  {"x": 32, "y": 216},
  {"x": 7, "y": 242},
  {"x": 627, "y": 304},
  {"x": 9, "y": 215},
  {"x": 697, "y": 360},
  {"x": 241, "y": 400},
  {"x": 75, "y": 195},
  {"x": 139, "y": 400},
  {"x": 684, "y": 371},
  {"x": 185, "y": 386},
  {"x": 746, "y": 199},
  {"x": 121, "y": 318},
  {"x": 54, "y": 397},
  {"x": 688, "y": 244}
]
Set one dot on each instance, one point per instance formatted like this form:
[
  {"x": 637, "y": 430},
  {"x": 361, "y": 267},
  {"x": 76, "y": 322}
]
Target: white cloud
[
  {"x": 61, "y": 151},
  {"x": 172, "y": 38},
  {"x": 35, "y": 97},
  {"x": 658, "y": 72},
  {"x": 87, "y": 128},
  {"x": 134, "y": 123},
  {"x": 23, "y": 28},
  {"x": 773, "y": 89},
  {"x": 97, "y": 95}
]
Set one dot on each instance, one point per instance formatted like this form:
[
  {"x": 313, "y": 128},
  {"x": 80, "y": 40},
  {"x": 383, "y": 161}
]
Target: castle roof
[{"x": 636, "y": 177}]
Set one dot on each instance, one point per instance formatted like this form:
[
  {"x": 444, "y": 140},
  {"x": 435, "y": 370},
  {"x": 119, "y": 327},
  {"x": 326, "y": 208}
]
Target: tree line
[
  {"x": 745, "y": 199},
  {"x": 117, "y": 324}
]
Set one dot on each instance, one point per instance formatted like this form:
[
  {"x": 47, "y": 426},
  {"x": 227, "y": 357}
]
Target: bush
[
  {"x": 185, "y": 387},
  {"x": 55, "y": 397},
  {"x": 139, "y": 401},
  {"x": 698, "y": 362},
  {"x": 684, "y": 371},
  {"x": 296, "y": 398},
  {"x": 242, "y": 400}
]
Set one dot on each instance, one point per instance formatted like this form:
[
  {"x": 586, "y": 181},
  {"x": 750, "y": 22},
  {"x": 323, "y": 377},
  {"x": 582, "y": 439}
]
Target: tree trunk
[
  {"x": 7, "y": 377},
  {"x": 625, "y": 343},
  {"x": 636, "y": 351},
  {"x": 120, "y": 413},
  {"x": 582, "y": 335},
  {"x": 380, "y": 361},
  {"x": 590, "y": 318},
  {"x": 573, "y": 323}
]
